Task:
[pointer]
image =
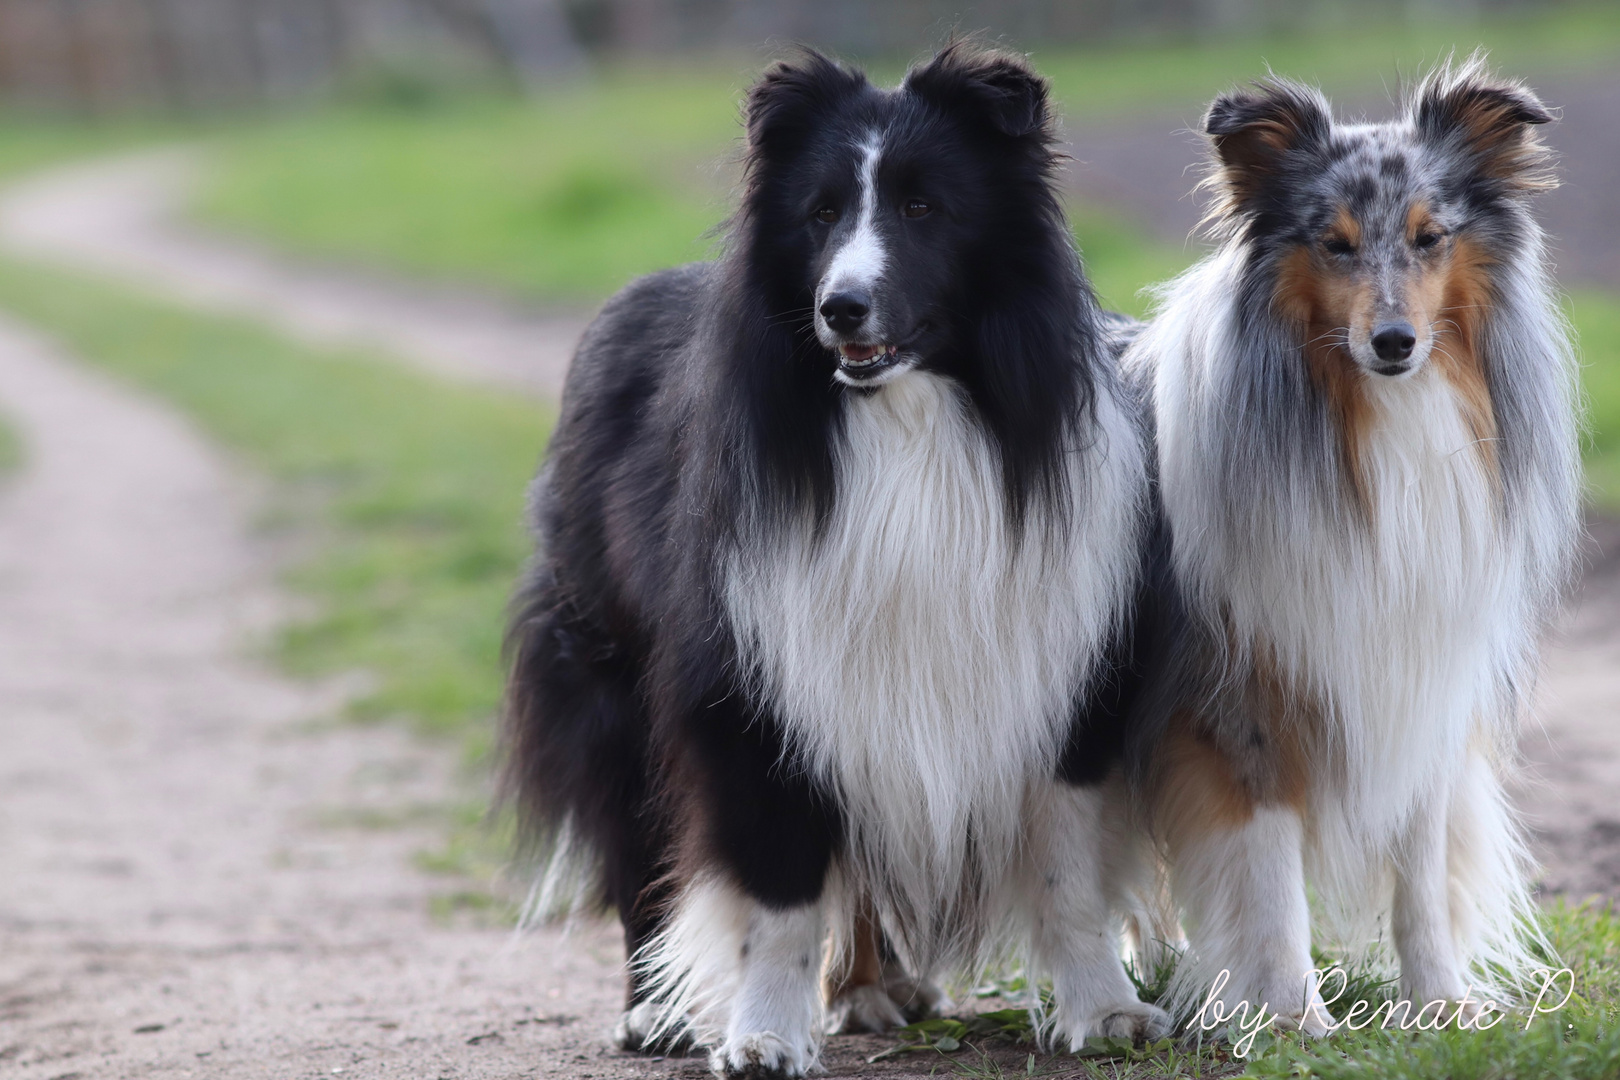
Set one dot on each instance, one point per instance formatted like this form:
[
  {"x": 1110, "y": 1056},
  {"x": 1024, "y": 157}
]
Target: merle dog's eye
[
  {"x": 1426, "y": 240},
  {"x": 1338, "y": 245},
  {"x": 916, "y": 208},
  {"x": 827, "y": 215}
]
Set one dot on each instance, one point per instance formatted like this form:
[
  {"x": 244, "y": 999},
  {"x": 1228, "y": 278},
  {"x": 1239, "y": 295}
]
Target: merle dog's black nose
[
  {"x": 845, "y": 311},
  {"x": 1393, "y": 340}
]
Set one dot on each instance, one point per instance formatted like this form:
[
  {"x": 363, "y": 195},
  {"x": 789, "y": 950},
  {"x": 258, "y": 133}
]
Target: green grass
[
  {"x": 1357, "y": 55},
  {"x": 30, "y": 143},
  {"x": 564, "y": 197},
  {"x": 1597, "y": 324},
  {"x": 403, "y": 495},
  {"x": 1581, "y": 1041},
  {"x": 11, "y": 447},
  {"x": 1122, "y": 258}
]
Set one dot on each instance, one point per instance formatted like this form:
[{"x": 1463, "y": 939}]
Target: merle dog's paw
[
  {"x": 918, "y": 999},
  {"x": 1136, "y": 1021},
  {"x": 1314, "y": 1021},
  {"x": 866, "y": 1008}
]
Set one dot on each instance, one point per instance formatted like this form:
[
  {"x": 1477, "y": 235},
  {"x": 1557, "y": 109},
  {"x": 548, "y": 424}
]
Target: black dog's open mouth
[
  {"x": 866, "y": 361},
  {"x": 858, "y": 362}
]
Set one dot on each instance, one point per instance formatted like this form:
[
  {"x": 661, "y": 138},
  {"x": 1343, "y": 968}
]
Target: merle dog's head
[
  {"x": 1381, "y": 240},
  {"x": 894, "y": 223}
]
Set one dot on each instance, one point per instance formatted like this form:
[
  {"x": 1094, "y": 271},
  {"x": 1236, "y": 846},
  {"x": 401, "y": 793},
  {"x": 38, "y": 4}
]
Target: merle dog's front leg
[{"x": 1079, "y": 858}]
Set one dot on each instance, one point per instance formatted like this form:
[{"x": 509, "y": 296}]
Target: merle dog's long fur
[
  {"x": 701, "y": 418},
  {"x": 1370, "y": 543}
]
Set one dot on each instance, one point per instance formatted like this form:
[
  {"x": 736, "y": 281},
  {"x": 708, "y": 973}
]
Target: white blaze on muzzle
[{"x": 859, "y": 263}]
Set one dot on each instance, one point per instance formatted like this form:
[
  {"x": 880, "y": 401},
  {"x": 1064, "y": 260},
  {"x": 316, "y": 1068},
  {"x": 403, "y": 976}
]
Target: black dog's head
[
  {"x": 888, "y": 231},
  {"x": 894, "y": 223}
]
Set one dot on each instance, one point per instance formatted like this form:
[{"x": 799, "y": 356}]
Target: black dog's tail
[{"x": 575, "y": 751}]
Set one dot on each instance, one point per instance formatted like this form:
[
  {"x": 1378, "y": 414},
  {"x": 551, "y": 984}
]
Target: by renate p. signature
[{"x": 1465, "y": 1013}]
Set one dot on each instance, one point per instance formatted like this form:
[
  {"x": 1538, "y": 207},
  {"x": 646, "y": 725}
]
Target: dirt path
[
  {"x": 1572, "y": 794},
  {"x": 187, "y": 883},
  {"x": 120, "y": 216}
]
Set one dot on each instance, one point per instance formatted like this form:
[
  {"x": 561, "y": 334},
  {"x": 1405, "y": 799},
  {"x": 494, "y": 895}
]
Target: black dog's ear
[
  {"x": 999, "y": 87},
  {"x": 783, "y": 103},
  {"x": 1254, "y": 132},
  {"x": 1486, "y": 123}
]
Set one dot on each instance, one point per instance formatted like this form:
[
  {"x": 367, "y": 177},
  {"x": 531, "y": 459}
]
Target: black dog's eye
[
  {"x": 827, "y": 215},
  {"x": 916, "y": 208},
  {"x": 1426, "y": 240},
  {"x": 1338, "y": 245}
]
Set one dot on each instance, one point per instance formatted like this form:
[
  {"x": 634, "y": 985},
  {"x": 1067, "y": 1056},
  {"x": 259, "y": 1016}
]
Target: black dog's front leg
[{"x": 767, "y": 836}]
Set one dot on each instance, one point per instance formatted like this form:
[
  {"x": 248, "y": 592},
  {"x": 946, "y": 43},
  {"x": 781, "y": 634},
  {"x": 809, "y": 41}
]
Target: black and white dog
[{"x": 841, "y": 537}]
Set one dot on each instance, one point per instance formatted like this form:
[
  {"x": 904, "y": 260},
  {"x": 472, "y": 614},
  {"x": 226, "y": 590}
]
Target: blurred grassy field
[
  {"x": 561, "y": 198},
  {"x": 565, "y": 197}
]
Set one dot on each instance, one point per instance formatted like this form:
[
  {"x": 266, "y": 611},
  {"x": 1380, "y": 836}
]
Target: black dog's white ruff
[
  {"x": 841, "y": 538},
  {"x": 1367, "y": 442}
]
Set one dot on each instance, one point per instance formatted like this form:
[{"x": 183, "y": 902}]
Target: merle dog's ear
[
  {"x": 784, "y": 103},
  {"x": 1256, "y": 132},
  {"x": 998, "y": 87},
  {"x": 1486, "y": 125}
]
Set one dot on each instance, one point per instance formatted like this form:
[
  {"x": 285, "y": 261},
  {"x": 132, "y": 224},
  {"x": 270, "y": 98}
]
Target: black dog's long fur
[{"x": 701, "y": 402}]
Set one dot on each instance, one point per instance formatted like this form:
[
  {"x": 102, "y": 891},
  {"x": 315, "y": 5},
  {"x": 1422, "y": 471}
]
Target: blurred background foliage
[{"x": 566, "y": 193}]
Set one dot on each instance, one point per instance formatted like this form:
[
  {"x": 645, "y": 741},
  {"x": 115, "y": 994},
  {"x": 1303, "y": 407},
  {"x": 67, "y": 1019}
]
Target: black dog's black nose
[
  {"x": 1393, "y": 340},
  {"x": 846, "y": 311}
]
